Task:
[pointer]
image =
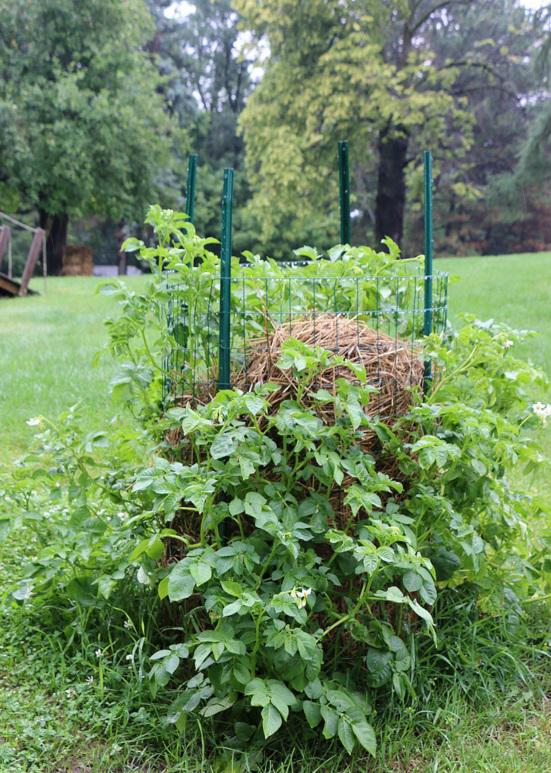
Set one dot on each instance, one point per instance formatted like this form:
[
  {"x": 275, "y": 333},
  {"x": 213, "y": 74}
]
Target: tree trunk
[
  {"x": 122, "y": 257},
  {"x": 391, "y": 183},
  {"x": 56, "y": 229}
]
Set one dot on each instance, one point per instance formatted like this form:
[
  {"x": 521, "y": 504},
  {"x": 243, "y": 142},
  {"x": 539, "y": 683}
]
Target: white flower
[
  {"x": 128, "y": 624},
  {"x": 34, "y": 421},
  {"x": 70, "y": 692},
  {"x": 542, "y": 411},
  {"x": 99, "y": 653},
  {"x": 300, "y": 596},
  {"x": 508, "y": 343},
  {"x": 90, "y": 679}
]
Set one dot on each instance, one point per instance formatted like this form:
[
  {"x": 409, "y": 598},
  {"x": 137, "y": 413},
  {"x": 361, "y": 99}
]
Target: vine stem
[
  {"x": 350, "y": 616},
  {"x": 466, "y": 363},
  {"x": 257, "y": 641}
]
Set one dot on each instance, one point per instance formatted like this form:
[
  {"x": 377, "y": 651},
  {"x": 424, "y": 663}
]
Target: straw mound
[{"x": 391, "y": 364}]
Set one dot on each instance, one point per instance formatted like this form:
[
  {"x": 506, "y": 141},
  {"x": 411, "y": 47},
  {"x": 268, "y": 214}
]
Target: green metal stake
[
  {"x": 344, "y": 191},
  {"x": 190, "y": 187},
  {"x": 427, "y": 312},
  {"x": 225, "y": 282}
]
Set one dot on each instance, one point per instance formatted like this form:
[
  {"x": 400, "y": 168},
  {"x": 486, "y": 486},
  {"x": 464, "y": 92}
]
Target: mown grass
[
  {"x": 48, "y": 343},
  {"x": 53, "y": 714},
  {"x": 509, "y": 288}
]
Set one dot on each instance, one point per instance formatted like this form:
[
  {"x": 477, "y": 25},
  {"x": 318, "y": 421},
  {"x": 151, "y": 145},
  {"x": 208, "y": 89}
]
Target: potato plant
[{"x": 291, "y": 569}]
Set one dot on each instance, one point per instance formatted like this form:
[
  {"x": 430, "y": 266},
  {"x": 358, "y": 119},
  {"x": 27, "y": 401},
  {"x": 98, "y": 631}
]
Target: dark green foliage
[
  {"x": 282, "y": 571},
  {"x": 82, "y": 126},
  {"x": 206, "y": 67}
]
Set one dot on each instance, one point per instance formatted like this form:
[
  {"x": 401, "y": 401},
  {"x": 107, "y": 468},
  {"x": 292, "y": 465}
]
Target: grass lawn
[
  {"x": 48, "y": 344},
  {"x": 510, "y": 288},
  {"x": 47, "y": 353}
]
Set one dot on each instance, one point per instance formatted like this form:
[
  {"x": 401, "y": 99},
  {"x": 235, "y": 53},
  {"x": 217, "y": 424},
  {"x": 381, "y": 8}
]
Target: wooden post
[
  {"x": 32, "y": 257},
  {"x": 5, "y": 236}
]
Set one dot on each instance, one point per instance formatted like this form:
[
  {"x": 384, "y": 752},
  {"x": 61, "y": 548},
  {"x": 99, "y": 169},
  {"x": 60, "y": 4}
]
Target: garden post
[
  {"x": 344, "y": 191},
  {"x": 427, "y": 310},
  {"x": 190, "y": 187},
  {"x": 225, "y": 282}
]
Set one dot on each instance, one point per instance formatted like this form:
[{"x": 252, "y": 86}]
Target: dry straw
[{"x": 392, "y": 365}]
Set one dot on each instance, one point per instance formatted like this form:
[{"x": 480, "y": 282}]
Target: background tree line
[{"x": 101, "y": 102}]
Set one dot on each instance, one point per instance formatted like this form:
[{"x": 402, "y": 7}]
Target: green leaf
[
  {"x": 180, "y": 582},
  {"x": 162, "y": 588},
  {"x": 216, "y": 705},
  {"x": 236, "y": 507},
  {"x": 152, "y": 546},
  {"x": 258, "y": 692},
  {"x": 428, "y": 592},
  {"x": 225, "y": 444},
  {"x": 201, "y": 572},
  {"x": 281, "y": 697},
  {"x": 82, "y": 590},
  {"x": 445, "y": 562},
  {"x": 232, "y": 609},
  {"x": 346, "y": 736},
  {"x": 330, "y": 718},
  {"x": 160, "y": 654},
  {"x": 271, "y": 720},
  {"x": 378, "y": 664},
  {"x": 242, "y": 673},
  {"x": 232, "y": 587},
  {"x": 358, "y": 498},
  {"x": 412, "y": 581},
  {"x": 393, "y": 594},
  {"x": 366, "y": 736},
  {"x": 131, "y": 244},
  {"x": 171, "y": 663},
  {"x": 312, "y": 713},
  {"x": 423, "y": 613},
  {"x": 5, "y": 526}
]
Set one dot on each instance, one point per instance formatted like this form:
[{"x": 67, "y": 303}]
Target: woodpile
[{"x": 77, "y": 261}]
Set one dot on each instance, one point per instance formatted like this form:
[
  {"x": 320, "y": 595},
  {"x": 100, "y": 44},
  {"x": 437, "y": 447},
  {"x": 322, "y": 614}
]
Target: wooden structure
[
  {"x": 8, "y": 286},
  {"x": 11, "y": 288}
]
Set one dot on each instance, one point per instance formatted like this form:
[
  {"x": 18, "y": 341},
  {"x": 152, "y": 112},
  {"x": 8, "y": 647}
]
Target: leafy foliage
[
  {"x": 182, "y": 302},
  {"x": 345, "y": 70},
  {"x": 82, "y": 128},
  {"x": 293, "y": 575},
  {"x": 392, "y": 78}
]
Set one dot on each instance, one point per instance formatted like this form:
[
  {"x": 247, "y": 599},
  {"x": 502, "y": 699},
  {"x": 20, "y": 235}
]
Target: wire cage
[
  {"x": 376, "y": 321},
  {"x": 228, "y": 329}
]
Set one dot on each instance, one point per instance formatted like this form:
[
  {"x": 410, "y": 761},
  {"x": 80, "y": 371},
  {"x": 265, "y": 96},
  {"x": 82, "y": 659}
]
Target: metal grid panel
[{"x": 391, "y": 306}]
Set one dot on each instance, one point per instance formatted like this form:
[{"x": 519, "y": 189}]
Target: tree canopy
[
  {"x": 392, "y": 77},
  {"x": 101, "y": 102},
  {"x": 83, "y": 129}
]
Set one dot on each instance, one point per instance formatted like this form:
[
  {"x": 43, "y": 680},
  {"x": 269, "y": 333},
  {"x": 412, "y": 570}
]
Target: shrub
[{"x": 290, "y": 573}]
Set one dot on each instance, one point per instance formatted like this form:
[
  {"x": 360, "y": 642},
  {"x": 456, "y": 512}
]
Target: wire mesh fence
[{"x": 375, "y": 321}]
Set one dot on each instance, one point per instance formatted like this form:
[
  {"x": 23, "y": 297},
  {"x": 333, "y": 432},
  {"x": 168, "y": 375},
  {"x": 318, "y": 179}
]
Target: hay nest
[{"x": 392, "y": 365}]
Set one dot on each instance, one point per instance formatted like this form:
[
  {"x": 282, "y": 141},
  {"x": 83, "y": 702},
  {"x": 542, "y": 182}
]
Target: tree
[
  {"x": 82, "y": 129},
  {"x": 511, "y": 152},
  {"x": 491, "y": 39},
  {"x": 533, "y": 166},
  {"x": 206, "y": 72},
  {"x": 365, "y": 70}
]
